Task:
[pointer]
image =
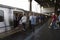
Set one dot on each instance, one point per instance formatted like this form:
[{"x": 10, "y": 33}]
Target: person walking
[{"x": 54, "y": 18}]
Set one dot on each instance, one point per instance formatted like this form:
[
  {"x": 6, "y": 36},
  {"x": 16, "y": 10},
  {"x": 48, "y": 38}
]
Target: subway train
[{"x": 7, "y": 15}]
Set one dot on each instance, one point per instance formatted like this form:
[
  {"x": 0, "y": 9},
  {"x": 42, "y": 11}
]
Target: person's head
[
  {"x": 29, "y": 14},
  {"x": 33, "y": 14},
  {"x": 53, "y": 13},
  {"x": 24, "y": 14}
]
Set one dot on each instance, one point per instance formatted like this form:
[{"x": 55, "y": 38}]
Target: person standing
[
  {"x": 33, "y": 22},
  {"x": 24, "y": 20},
  {"x": 39, "y": 19},
  {"x": 54, "y": 18},
  {"x": 30, "y": 16}
]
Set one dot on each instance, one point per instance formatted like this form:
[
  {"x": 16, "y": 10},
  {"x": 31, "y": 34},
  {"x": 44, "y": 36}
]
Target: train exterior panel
[
  {"x": 4, "y": 14},
  {"x": 6, "y": 17}
]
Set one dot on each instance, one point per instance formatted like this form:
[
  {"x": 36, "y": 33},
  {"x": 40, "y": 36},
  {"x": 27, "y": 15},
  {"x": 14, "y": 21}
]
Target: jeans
[
  {"x": 33, "y": 27},
  {"x": 24, "y": 25},
  {"x": 54, "y": 24}
]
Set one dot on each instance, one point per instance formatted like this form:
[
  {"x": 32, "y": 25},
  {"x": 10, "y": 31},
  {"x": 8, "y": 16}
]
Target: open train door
[{"x": 17, "y": 17}]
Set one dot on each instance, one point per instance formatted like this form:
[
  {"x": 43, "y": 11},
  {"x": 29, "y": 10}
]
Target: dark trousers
[
  {"x": 54, "y": 24},
  {"x": 33, "y": 27},
  {"x": 24, "y": 25},
  {"x": 30, "y": 25}
]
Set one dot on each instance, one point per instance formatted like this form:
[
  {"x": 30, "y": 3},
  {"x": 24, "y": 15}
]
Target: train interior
[{"x": 17, "y": 18}]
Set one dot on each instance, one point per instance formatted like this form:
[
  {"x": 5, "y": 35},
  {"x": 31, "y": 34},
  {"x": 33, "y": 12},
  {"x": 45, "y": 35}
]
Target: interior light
[{"x": 42, "y": 7}]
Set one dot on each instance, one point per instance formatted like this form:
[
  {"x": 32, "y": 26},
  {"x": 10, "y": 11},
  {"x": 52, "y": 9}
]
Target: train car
[{"x": 7, "y": 14}]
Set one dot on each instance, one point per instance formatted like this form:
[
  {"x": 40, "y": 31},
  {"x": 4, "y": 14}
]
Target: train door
[{"x": 17, "y": 17}]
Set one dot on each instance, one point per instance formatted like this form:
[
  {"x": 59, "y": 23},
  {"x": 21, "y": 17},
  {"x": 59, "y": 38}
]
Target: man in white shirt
[{"x": 23, "y": 20}]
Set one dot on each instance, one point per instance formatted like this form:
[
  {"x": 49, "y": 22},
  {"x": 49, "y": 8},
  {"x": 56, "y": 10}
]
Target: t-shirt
[
  {"x": 33, "y": 20},
  {"x": 30, "y": 17},
  {"x": 24, "y": 19},
  {"x": 54, "y": 18}
]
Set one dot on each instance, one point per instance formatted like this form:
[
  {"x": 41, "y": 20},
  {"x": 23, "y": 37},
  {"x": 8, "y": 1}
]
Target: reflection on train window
[{"x": 1, "y": 15}]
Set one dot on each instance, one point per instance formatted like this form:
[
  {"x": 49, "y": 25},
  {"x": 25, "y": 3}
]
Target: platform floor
[{"x": 41, "y": 33}]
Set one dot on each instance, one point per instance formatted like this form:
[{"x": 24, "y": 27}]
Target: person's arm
[{"x": 21, "y": 19}]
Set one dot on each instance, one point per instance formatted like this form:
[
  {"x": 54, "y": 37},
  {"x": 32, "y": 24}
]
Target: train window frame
[{"x": 1, "y": 15}]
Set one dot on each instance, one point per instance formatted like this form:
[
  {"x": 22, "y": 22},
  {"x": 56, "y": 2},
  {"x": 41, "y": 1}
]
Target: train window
[{"x": 1, "y": 15}]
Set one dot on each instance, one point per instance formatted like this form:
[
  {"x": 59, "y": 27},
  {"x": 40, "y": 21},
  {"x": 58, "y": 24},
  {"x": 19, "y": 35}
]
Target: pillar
[{"x": 30, "y": 7}]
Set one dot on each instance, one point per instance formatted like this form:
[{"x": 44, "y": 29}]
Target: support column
[
  {"x": 55, "y": 7},
  {"x": 30, "y": 7}
]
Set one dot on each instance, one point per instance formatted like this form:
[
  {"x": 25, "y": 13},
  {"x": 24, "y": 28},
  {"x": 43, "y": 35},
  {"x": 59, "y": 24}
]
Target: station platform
[{"x": 41, "y": 33}]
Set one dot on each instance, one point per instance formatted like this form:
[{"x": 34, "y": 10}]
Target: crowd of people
[{"x": 33, "y": 18}]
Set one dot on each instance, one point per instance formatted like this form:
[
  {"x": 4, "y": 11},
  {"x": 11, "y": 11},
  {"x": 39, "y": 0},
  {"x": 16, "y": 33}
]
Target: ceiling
[{"x": 49, "y": 3}]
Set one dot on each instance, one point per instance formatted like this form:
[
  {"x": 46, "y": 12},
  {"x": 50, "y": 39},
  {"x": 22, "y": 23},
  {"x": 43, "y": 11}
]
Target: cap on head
[{"x": 53, "y": 13}]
